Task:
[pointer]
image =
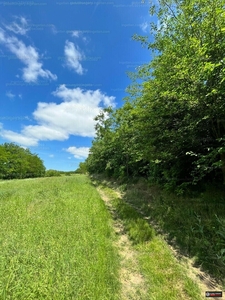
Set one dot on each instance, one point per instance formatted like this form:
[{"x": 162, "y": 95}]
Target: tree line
[
  {"x": 17, "y": 163},
  {"x": 171, "y": 128}
]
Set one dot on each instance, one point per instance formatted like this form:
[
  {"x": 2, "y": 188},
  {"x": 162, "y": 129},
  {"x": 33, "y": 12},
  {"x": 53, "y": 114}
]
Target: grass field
[
  {"x": 56, "y": 241},
  {"x": 60, "y": 240}
]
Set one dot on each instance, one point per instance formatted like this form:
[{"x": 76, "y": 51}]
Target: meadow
[
  {"x": 59, "y": 239},
  {"x": 56, "y": 241}
]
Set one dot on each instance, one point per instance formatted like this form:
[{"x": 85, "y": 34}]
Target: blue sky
[{"x": 60, "y": 64}]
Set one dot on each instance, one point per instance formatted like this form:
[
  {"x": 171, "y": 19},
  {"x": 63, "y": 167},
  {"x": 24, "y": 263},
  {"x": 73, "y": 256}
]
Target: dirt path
[{"x": 133, "y": 283}]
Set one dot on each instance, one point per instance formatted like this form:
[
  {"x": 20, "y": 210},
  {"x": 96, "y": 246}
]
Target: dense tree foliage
[
  {"x": 82, "y": 169},
  {"x": 52, "y": 173},
  {"x": 171, "y": 128},
  {"x": 17, "y": 162}
]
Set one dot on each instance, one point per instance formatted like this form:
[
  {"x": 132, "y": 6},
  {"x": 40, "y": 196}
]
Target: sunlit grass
[
  {"x": 166, "y": 278},
  {"x": 56, "y": 241}
]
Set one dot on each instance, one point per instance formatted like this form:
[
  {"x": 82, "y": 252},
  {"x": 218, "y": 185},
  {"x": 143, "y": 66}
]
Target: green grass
[
  {"x": 196, "y": 225},
  {"x": 165, "y": 277},
  {"x": 136, "y": 227},
  {"x": 56, "y": 241}
]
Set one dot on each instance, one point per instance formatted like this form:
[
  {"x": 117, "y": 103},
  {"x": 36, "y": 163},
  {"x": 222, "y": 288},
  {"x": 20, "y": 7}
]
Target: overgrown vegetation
[
  {"x": 171, "y": 128},
  {"x": 17, "y": 162},
  {"x": 56, "y": 241},
  {"x": 82, "y": 169},
  {"x": 52, "y": 173}
]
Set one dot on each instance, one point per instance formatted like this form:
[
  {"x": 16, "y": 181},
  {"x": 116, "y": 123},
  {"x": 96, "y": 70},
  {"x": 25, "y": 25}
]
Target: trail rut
[{"x": 133, "y": 286}]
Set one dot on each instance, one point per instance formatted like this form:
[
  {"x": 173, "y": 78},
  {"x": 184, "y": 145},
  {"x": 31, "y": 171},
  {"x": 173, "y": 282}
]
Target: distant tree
[
  {"x": 3, "y": 161},
  {"x": 82, "y": 169},
  {"x": 52, "y": 173},
  {"x": 17, "y": 162}
]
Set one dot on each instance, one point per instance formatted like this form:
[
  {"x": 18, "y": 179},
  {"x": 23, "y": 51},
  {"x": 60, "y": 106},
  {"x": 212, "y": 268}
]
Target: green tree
[
  {"x": 82, "y": 169},
  {"x": 171, "y": 127},
  {"x": 182, "y": 105},
  {"x": 17, "y": 162},
  {"x": 52, "y": 173}
]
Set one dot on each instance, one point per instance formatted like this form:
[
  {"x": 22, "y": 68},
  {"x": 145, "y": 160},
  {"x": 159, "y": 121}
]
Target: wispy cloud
[
  {"x": 76, "y": 33},
  {"x": 10, "y": 95},
  {"x": 20, "y": 26},
  {"x": 79, "y": 34},
  {"x": 80, "y": 152},
  {"x": 73, "y": 57},
  {"x": 27, "y": 55},
  {"x": 144, "y": 26},
  {"x": 73, "y": 116},
  {"x": 53, "y": 29}
]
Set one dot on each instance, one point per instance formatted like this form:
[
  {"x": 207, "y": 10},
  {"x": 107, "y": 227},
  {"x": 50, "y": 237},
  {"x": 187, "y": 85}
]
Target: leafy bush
[{"x": 51, "y": 173}]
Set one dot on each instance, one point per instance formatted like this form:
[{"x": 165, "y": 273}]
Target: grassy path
[
  {"x": 164, "y": 276},
  {"x": 56, "y": 241},
  {"x": 133, "y": 284}
]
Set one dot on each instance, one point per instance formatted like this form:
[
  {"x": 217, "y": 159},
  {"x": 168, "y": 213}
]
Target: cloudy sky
[{"x": 60, "y": 64}]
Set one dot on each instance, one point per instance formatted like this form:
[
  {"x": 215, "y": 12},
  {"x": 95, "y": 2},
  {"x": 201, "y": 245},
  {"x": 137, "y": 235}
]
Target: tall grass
[
  {"x": 56, "y": 241},
  {"x": 195, "y": 224}
]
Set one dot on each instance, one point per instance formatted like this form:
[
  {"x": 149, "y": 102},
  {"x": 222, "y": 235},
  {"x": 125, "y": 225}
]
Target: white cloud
[
  {"x": 89, "y": 98},
  {"x": 51, "y": 155},
  {"x": 144, "y": 26},
  {"x": 73, "y": 57},
  {"x": 18, "y": 138},
  {"x": 29, "y": 56},
  {"x": 45, "y": 132},
  {"x": 73, "y": 116},
  {"x": 81, "y": 152},
  {"x": 19, "y": 27},
  {"x": 10, "y": 95}
]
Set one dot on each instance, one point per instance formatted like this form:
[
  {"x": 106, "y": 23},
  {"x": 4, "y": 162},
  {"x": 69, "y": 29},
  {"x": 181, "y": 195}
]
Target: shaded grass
[
  {"x": 165, "y": 277},
  {"x": 195, "y": 225},
  {"x": 56, "y": 241},
  {"x": 137, "y": 228}
]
